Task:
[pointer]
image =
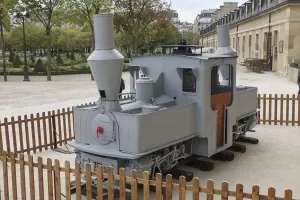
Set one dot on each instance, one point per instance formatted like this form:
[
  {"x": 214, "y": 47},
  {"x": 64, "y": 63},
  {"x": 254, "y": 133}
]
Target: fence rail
[
  {"x": 50, "y": 181},
  {"x": 50, "y": 130}
]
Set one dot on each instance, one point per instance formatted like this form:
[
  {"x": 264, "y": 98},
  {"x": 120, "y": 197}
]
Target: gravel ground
[{"x": 273, "y": 162}]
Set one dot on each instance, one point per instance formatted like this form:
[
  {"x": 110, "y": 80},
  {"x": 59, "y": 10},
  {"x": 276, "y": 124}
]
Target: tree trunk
[
  {"x": 49, "y": 56},
  {"x": 3, "y": 53}
]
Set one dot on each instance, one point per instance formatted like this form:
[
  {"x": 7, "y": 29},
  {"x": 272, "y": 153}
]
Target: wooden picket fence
[
  {"x": 53, "y": 129},
  {"x": 279, "y": 109},
  {"x": 30, "y": 180},
  {"x": 36, "y": 132}
]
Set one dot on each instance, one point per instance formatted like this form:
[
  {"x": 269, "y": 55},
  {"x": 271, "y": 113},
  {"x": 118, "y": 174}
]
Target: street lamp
[{"x": 21, "y": 18}]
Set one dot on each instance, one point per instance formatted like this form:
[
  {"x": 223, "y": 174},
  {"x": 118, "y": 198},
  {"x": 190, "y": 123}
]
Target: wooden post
[
  {"x": 88, "y": 176},
  {"x": 45, "y": 130},
  {"x": 57, "y": 190},
  {"x": 270, "y": 109},
  {"x": 275, "y": 110},
  {"x": 7, "y": 135},
  {"x": 271, "y": 193},
  {"x": 49, "y": 178},
  {"x": 69, "y": 123},
  {"x": 281, "y": 109},
  {"x": 54, "y": 130},
  {"x": 64, "y": 125},
  {"x": 13, "y": 176},
  {"x": 182, "y": 188},
  {"x": 68, "y": 180},
  {"x": 78, "y": 180},
  {"x": 255, "y": 192},
  {"x": 20, "y": 134},
  {"x": 27, "y": 134},
  {"x": 5, "y": 176},
  {"x": 31, "y": 177},
  {"x": 110, "y": 183},
  {"x": 146, "y": 186},
  {"x": 33, "y": 133},
  {"x": 196, "y": 188},
  {"x": 50, "y": 129},
  {"x": 133, "y": 185},
  {"x": 239, "y": 192},
  {"x": 13, "y": 127},
  {"x": 22, "y": 177},
  {"x": 288, "y": 195},
  {"x": 41, "y": 178},
  {"x": 169, "y": 187},
  {"x": 210, "y": 190},
  {"x": 38, "y": 119},
  {"x": 224, "y": 192},
  {"x": 121, "y": 183},
  {"x": 59, "y": 127},
  {"x": 158, "y": 182}
]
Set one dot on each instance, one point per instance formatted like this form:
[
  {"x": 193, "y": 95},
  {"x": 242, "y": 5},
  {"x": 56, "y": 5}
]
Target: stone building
[{"x": 266, "y": 29}]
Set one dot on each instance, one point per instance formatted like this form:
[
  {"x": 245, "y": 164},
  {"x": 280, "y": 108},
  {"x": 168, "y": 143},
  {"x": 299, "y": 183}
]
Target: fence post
[
  {"x": 255, "y": 192},
  {"x": 196, "y": 189},
  {"x": 224, "y": 192},
  {"x": 13, "y": 175},
  {"x": 239, "y": 192},
  {"x": 33, "y": 133},
  {"x": 78, "y": 183},
  {"x": 133, "y": 185},
  {"x": 54, "y": 130},
  {"x": 158, "y": 189},
  {"x": 146, "y": 188},
  {"x": 7, "y": 135},
  {"x": 270, "y": 109},
  {"x": 5, "y": 175},
  {"x": 210, "y": 190},
  {"x": 13, "y": 127},
  {"x": 287, "y": 112},
  {"x": 275, "y": 111}
]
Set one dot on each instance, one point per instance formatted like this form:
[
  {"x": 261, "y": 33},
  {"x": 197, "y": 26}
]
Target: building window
[
  {"x": 189, "y": 80},
  {"x": 275, "y": 45},
  {"x": 257, "y": 42},
  {"x": 255, "y": 6}
]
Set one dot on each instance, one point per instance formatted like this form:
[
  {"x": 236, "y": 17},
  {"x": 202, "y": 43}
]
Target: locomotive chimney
[
  {"x": 106, "y": 63},
  {"x": 224, "y": 47}
]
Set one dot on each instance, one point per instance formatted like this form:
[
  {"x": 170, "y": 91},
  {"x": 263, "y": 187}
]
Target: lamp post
[{"x": 20, "y": 19}]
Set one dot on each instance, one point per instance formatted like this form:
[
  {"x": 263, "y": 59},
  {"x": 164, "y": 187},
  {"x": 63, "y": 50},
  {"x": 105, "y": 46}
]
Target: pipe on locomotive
[{"x": 106, "y": 63}]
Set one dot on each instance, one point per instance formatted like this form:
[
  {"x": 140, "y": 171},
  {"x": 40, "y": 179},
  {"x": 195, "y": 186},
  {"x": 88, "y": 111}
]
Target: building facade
[
  {"x": 204, "y": 19},
  {"x": 264, "y": 29}
]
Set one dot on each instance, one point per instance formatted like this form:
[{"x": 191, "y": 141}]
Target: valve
[{"x": 99, "y": 131}]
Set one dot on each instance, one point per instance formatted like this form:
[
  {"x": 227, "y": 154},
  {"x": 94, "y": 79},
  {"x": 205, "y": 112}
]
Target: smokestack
[
  {"x": 224, "y": 47},
  {"x": 106, "y": 63}
]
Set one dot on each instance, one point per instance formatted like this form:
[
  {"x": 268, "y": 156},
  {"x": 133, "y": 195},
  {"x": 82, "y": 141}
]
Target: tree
[
  {"x": 48, "y": 13},
  {"x": 191, "y": 37},
  {"x": 133, "y": 17},
  {"x": 5, "y": 8},
  {"x": 82, "y": 12}
]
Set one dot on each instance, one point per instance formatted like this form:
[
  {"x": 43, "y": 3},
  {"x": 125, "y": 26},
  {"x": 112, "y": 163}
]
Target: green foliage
[
  {"x": 72, "y": 56},
  {"x": 68, "y": 56},
  {"x": 17, "y": 62},
  {"x": 32, "y": 59},
  {"x": 39, "y": 66},
  {"x": 59, "y": 60},
  {"x": 126, "y": 60},
  {"x": 11, "y": 56}
]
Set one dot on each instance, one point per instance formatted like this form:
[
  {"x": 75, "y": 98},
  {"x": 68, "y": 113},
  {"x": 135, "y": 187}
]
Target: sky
[{"x": 188, "y": 9}]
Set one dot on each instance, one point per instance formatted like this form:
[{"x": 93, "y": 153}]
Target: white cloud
[{"x": 188, "y": 9}]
